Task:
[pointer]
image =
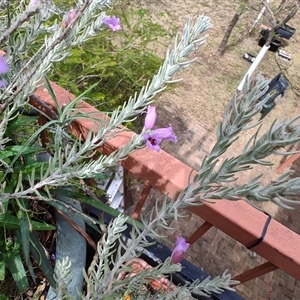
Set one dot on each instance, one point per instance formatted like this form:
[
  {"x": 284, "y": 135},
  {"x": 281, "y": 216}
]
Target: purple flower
[
  {"x": 33, "y": 2},
  {"x": 154, "y": 138},
  {"x": 150, "y": 117},
  {"x": 180, "y": 248},
  {"x": 113, "y": 23},
  {"x": 67, "y": 20},
  {"x": 4, "y": 67}
]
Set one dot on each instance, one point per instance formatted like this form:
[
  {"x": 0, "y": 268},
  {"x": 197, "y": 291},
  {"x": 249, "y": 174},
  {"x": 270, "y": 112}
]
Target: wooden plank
[
  {"x": 199, "y": 232},
  {"x": 287, "y": 162},
  {"x": 256, "y": 272},
  {"x": 140, "y": 204}
]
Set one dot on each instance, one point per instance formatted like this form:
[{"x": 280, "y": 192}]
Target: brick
[
  {"x": 250, "y": 284},
  {"x": 282, "y": 281},
  {"x": 291, "y": 283},
  {"x": 212, "y": 232},
  {"x": 268, "y": 277},
  {"x": 244, "y": 291},
  {"x": 215, "y": 244},
  {"x": 262, "y": 284},
  {"x": 213, "y": 250},
  {"x": 276, "y": 276},
  {"x": 256, "y": 291},
  {"x": 196, "y": 248},
  {"x": 251, "y": 261},
  {"x": 222, "y": 234},
  {"x": 279, "y": 296},
  {"x": 297, "y": 292},
  {"x": 266, "y": 293},
  {"x": 284, "y": 275},
  {"x": 221, "y": 247},
  {"x": 232, "y": 241},
  {"x": 287, "y": 292},
  {"x": 275, "y": 284}
]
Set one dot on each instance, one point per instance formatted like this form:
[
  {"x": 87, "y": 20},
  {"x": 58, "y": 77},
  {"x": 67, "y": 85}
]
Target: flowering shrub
[{"x": 28, "y": 183}]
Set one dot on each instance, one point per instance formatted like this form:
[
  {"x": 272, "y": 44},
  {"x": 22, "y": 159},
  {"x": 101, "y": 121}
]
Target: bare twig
[
  {"x": 20, "y": 20},
  {"x": 79, "y": 229}
]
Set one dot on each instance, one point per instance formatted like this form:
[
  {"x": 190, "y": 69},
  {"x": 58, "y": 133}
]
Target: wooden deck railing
[
  {"x": 291, "y": 159},
  {"x": 280, "y": 246}
]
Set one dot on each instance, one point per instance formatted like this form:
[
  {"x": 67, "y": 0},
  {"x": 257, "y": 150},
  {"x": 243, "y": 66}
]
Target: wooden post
[
  {"x": 256, "y": 272},
  {"x": 145, "y": 192},
  {"x": 199, "y": 232}
]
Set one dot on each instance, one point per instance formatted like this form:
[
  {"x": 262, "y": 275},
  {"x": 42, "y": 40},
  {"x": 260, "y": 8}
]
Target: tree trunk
[
  {"x": 227, "y": 34},
  {"x": 292, "y": 13},
  {"x": 271, "y": 36},
  {"x": 283, "y": 2}
]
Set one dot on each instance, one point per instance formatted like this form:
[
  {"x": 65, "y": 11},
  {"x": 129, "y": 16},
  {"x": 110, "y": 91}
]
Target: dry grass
[{"x": 209, "y": 84}]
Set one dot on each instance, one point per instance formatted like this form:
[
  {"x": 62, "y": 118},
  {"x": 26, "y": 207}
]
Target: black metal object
[
  {"x": 285, "y": 31},
  {"x": 277, "y": 86},
  {"x": 249, "y": 57},
  {"x": 266, "y": 109},
  {"x": 274, "y": 45},
  {"x": 263, "y": 234},
  {"x": 284, "y": 54}
]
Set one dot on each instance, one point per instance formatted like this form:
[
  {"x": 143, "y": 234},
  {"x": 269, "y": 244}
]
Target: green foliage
[
  {"x": 19, "y": 221},
  {"x": 99, "y": 205},
  {"x": 120, "y": 62}
]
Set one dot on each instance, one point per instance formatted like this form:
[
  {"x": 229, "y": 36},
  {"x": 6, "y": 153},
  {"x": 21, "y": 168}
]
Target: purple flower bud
[
  {"x": 33, "y": 2},
  {"x": 153, "y": 139},
  {"x": 53, "y": 256},
  {"x": 180, "y": 248},
  {"x": 113, "y": 23},
  {"x": 72, "y": 15},
  {"x": 67, "y": 20},
  {"x": 4, "y": 67},
  {"x": 150, "y": 117}
]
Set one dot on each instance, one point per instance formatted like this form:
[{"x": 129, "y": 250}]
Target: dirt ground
[{"x": 209, "y": 83}]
